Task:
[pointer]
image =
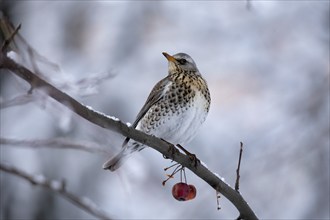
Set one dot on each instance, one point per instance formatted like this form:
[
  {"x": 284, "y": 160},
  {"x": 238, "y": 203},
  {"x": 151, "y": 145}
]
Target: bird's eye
[{"x": 182, "y": 61}]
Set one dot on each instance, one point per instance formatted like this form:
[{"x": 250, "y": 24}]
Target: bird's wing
[{"x": 156, "y": 94}]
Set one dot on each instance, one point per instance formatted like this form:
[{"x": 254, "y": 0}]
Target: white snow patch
[
  {"x": 56, "y": 185},
  {"x": 39, "y": 178},
  {"x": 217, "y": 175},
  {"x": 101, "y": 113},
  {"x": 86, "y": 201},
  {"x": 221, "y": 178},
  {"x": 112, "y": 117},
  {"x": 89, "y": 107},
  {"x": 204, "y": 164},
  {"x": 14, "y": 56},
  {"x": 128, "y": 124}
]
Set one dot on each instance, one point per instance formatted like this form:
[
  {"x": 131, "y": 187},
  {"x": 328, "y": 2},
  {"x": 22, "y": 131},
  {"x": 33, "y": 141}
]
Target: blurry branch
[
  {"x": 87, "y": 86},
  {"x": 59, "y": 187},
  {"x": 18, "y": 100},
  {"x": 116, "y": 125},
  {"x": 59, "y": 143},
  {"x": 8, "y": 31},
  {"x": 248, "y": 5},
  {"x": 9, "y": 39},
  {"x": 84, "y": 88}
]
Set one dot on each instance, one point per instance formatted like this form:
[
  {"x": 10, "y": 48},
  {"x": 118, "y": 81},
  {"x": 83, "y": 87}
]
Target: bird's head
[{"x": 180, "y": 61}]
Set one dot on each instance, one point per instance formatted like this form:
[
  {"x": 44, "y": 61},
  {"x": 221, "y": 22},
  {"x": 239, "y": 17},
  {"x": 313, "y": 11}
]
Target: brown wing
[{"x": 155, "y": 95}]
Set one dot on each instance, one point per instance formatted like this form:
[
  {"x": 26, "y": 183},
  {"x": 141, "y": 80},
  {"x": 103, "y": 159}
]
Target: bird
[{"x": 174, "y": 110}]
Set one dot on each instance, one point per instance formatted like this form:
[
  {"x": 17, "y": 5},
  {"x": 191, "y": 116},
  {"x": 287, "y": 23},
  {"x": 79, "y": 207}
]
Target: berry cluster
[{"x": 181, "y": 191}]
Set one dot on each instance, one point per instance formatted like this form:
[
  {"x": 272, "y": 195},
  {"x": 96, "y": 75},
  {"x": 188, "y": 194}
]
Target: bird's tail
[{"x": 115, "y": 162}]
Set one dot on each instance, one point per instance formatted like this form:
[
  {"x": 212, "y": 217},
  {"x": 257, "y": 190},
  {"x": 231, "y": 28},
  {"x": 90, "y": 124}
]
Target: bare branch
[
  {"x": 238, "y": 167},
  {"x": 59, "y": 143},
  {"x": 59, "y": 187},
  {"x": 110, "y": 123},
  {"x": 9, "y": 39}
]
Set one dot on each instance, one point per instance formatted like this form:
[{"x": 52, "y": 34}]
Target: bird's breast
[{"x": 177, "y": 116}]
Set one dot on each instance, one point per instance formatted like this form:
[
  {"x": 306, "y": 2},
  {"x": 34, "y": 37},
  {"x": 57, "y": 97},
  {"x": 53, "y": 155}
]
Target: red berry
[
  {"x": 180, "y": 191},
  {"x": 192, "y": 192}
]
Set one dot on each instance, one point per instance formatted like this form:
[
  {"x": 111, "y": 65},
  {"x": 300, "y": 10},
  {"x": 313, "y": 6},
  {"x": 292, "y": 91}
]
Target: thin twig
[
  {"x": 238, "y": 167},
  {"x": 59, "y": 187}
]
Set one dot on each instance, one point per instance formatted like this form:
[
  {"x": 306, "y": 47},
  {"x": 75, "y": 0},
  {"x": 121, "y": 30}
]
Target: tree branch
[
  {"x": 58, "y": 187},
  {"x": 116, "y": 125}
]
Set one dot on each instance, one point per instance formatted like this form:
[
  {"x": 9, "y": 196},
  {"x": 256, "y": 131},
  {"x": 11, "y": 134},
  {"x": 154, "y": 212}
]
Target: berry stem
[
  {"x": 181, "y": 175},
  {"x": 177, "y": 169},
  {"x": 166, "y": 168},
  {"x": 184, "y": 173}
]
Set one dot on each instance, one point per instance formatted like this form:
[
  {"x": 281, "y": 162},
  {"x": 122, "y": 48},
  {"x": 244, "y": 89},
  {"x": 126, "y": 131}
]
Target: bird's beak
[{"x": 169, "y": 57}]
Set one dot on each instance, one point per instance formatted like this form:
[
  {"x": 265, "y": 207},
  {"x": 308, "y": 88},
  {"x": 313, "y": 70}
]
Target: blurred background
[{"x": 267, "y": 67}]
